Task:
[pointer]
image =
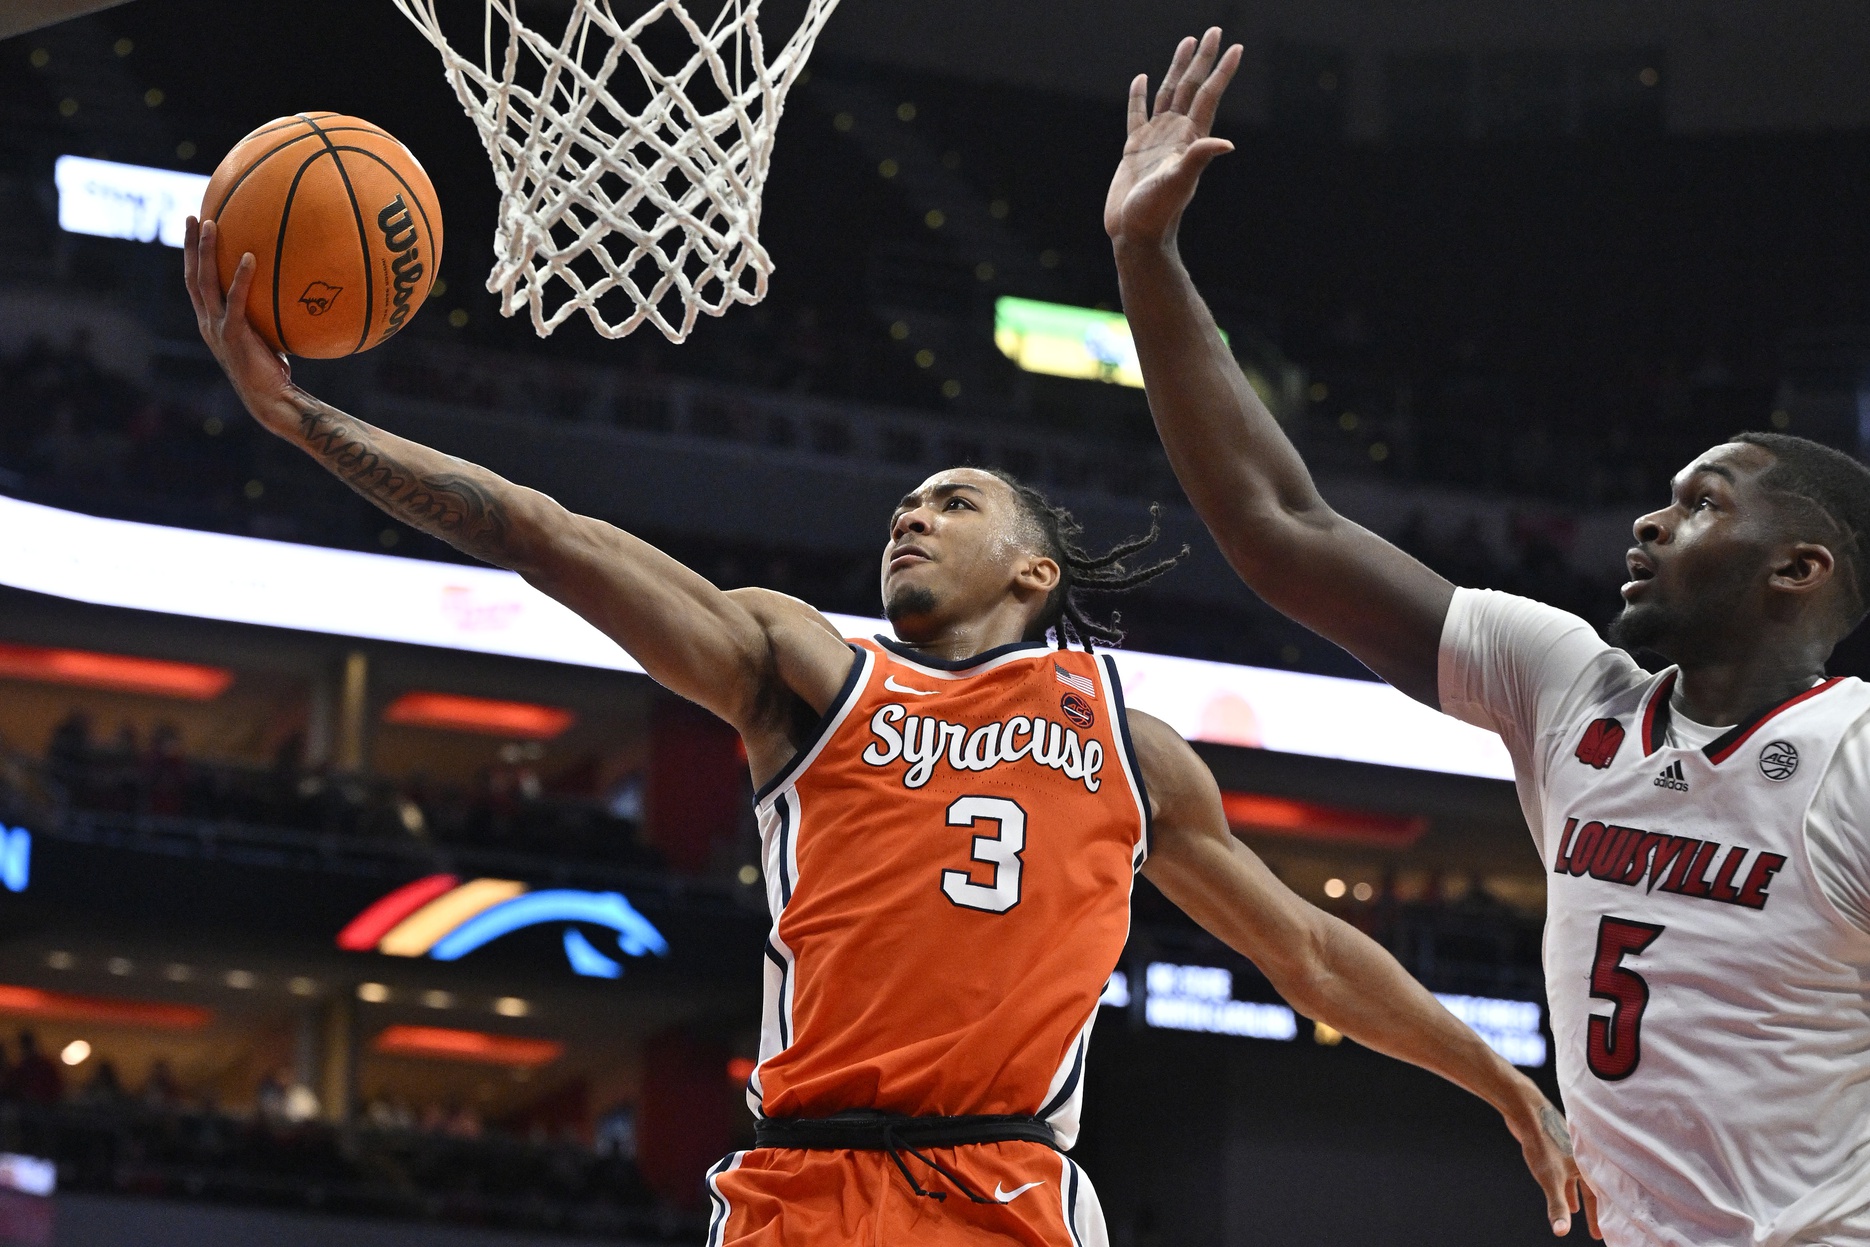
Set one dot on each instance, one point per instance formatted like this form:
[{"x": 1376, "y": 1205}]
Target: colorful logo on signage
[
  {"x": 15, "y": 858},
  {"x": 440, "y": 916}
]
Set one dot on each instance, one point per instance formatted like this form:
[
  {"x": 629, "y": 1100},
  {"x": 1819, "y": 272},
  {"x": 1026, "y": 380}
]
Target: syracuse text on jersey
[
  {"x": 925, "y": 741},
  {"x": 1678, "y": 864}
]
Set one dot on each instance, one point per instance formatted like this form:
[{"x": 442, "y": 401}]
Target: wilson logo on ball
[
  {"x": 319, "y": 296},
  {"x": 399, "y": 237}
]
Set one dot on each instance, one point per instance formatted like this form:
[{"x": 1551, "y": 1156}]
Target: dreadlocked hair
[{"x": 1082, "y": 572}]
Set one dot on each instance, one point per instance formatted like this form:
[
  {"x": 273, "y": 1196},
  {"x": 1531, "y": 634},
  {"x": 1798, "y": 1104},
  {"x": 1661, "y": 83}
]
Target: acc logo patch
[
  {"x": 1779, "y": 760},
  {"x": 1600, "y": 744},
  {"x": 1077, "y": 709},
  {"x": 319, "y": 296}
]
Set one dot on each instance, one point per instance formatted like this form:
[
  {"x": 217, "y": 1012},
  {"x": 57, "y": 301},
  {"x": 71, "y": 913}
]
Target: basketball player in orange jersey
[
  {"x": 1707, "y": 942},
  {"x": 951, "y": 825}
]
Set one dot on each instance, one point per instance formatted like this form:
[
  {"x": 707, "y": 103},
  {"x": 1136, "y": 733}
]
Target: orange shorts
[{"x": 790, "y": 1197}]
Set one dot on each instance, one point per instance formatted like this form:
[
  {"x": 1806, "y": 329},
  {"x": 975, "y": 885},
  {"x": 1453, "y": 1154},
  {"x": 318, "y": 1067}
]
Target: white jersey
[{"x": 1710, "y": 995}]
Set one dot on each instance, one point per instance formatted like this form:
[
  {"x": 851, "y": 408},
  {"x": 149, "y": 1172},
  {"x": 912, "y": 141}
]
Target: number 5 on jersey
[
  {"x": 999, "y": 851},
  {"x": 1614, "y": 1045}
]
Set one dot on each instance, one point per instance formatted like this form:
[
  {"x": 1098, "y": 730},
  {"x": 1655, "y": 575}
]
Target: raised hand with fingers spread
[{"x": 1172, "y": 143}]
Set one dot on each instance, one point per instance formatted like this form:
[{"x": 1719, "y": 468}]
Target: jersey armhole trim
[
  {"x": 861, "y": 659},
  {"x": 1130, "y": 763}
]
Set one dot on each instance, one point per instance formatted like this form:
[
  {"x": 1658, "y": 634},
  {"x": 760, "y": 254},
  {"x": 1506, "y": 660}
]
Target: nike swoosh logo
[
  {"x": 890, "y": 683},
  {"x": 1007, "y": 1197}
]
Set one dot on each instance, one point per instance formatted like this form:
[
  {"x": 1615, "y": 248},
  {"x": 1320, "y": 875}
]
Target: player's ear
[
  {"x": 1037, "y": 572},
  {"x": 1802, "y": 568}
]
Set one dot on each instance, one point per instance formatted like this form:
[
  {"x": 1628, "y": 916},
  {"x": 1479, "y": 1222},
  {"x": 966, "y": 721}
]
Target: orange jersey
[{"x": 949, "y": 865}]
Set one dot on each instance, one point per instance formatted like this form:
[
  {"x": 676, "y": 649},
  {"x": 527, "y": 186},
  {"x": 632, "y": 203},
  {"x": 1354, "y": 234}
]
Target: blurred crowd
[
  {"x": 439, "y": 1162},
  {"x": 509, "y": 805},
  {"x": 76, "y": 431},
  {"x": 1535, "y": 567}
]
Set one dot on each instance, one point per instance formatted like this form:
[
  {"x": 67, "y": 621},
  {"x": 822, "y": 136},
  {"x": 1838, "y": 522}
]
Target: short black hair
[
  {"x": 1827, "y": 493},
  {"x": 1082, "y": 572}
]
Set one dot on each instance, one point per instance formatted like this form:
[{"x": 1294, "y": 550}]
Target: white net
[{"x": 636, "y": 188}]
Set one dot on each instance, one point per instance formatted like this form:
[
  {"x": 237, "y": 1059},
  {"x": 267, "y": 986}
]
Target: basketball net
[{"x": 641, "y": 209}]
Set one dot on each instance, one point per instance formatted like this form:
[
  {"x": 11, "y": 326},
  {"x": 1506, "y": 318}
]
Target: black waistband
[{"x": 867, "y": 1130}]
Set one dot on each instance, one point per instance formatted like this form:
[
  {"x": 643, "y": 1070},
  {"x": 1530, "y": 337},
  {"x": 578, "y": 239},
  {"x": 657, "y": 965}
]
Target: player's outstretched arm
[
  {"x": 730, "y": 652},
  {"x": 1325, "y": 968},
  {"x": 1242, "y": 474}
]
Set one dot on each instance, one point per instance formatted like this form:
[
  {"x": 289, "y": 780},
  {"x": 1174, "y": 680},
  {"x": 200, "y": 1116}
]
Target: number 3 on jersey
[
  {"x": 1614, "y": 1045},
  {"x": 999, "y": 851}
]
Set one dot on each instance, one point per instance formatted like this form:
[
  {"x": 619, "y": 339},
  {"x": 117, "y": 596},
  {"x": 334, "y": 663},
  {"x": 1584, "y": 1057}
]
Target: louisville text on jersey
[
  {"x": 1679, "y": 864},
  {"x": 925, "y": 741}
]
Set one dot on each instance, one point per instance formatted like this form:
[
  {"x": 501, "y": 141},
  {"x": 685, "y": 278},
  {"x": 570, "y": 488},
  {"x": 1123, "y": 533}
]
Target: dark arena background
[{"x": 267, "y": 758}]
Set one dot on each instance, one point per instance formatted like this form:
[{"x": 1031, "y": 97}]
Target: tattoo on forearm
[
  {"x": 453, "y": 506},
  {"x": 1555, "y": 1128}
]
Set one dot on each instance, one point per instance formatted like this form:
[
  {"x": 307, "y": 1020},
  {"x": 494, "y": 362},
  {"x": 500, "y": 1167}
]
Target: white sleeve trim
[{"x": 1835, "y": 832}]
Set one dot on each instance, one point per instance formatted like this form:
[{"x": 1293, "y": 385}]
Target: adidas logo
[{"x": 1671, "y": 777}]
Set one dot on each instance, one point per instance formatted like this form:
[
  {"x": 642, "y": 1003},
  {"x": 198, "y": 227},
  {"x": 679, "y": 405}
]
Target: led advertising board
[
  {"x": 112, "y": 200},
  {"x": 1510, "y": 1027},
  {"x": 278, "y": 891},
  {"x": 483, "y": 610},
  {"x": 29, "y": 1174},
  {"x": 441, "y": 917},
  {"x": 1064, "y": 341},
  {"x": 1201, "y": 998}
]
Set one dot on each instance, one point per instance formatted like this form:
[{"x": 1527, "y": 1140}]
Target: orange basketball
[{"x": 343, "y": 223}]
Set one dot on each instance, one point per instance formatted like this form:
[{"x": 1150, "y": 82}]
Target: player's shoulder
[
  {"x": 806, "y": 653},
  {"x": 1506, "y": 624},
  {"x": 1169, "y": 764},
  {"x": 1509, "y": 662},
  {"x": 1509, "y": 616},
  {"x": 1855, "y": 740},
  {"x": 773, "y": 608},
  {"x": 1846, "y": 783}
]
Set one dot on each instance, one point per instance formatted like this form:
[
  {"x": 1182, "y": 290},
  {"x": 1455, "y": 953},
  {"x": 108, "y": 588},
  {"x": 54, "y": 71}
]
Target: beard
[
  {"x": 1642, "y": 627},
  {"x": 1696, "y": 623},
  {"x": 909, "y": 602}
]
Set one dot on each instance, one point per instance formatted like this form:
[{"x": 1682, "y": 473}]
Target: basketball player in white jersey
[{"x": 1704, "y": 829}]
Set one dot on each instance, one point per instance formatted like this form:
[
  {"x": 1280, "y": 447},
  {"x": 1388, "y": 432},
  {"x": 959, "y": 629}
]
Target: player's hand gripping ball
[{"x": 342, "y": 223}]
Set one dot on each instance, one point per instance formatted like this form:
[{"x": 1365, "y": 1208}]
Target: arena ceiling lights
[
  {"x": 1287, "y": 816},
  {"x": 478, "y": 1047},
  {"x": 105, "y": 1010},
  {"x": 482, "y": 610},
  {"x": 451, "y": 712},
  {"x": 117, "y": 672}
]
